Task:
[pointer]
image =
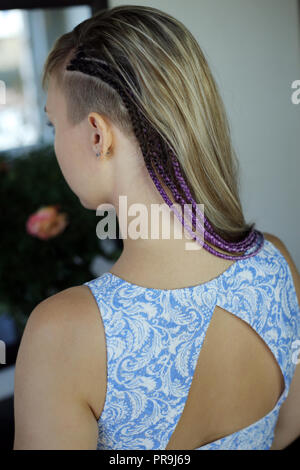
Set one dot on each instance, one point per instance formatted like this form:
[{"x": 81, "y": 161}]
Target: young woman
[{"x": 173, "y": 348}]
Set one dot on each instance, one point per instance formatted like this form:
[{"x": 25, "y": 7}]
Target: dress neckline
[{"x": 227, "y": 272}]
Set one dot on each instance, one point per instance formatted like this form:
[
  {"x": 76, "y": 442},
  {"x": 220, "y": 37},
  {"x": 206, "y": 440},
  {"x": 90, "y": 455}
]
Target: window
[{"x": 26, "y": 36}]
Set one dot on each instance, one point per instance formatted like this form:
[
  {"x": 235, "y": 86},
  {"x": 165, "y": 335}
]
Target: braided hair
[{"x": 159, "y": 155}]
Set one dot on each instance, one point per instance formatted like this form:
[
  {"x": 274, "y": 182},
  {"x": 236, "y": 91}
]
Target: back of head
[{"x": 169, "y": 77}]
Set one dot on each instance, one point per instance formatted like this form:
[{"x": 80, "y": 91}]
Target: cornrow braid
[{"x": 160, "y": 156}]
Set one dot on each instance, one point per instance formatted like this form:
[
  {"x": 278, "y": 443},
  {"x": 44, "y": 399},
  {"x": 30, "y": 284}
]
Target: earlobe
[{"x": 98, "y": 154}]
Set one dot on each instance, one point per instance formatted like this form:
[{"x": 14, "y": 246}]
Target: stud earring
[{"x": 98, "y": 154}]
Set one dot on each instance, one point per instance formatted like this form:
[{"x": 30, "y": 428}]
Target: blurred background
[{"x": 253, "y": 49}]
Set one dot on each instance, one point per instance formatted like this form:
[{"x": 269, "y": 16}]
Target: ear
[
  {"x": 96, "y": 123},
  {"x": 102, "y": 133}
]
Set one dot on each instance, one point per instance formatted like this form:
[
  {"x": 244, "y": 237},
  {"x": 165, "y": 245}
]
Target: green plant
[{"x": 32, "y": 269}]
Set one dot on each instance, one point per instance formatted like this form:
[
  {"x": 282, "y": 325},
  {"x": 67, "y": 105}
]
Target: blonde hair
[{"x": 178, "y": 95}]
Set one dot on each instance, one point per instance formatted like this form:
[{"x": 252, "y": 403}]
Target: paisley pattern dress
[{"x": 154, "y": 337}]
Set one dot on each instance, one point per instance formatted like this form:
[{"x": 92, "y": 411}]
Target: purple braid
[{"x": 156, "y": 150}]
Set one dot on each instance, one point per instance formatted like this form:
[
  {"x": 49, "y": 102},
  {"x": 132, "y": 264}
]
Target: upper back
[{"x": 206, "y": 366}]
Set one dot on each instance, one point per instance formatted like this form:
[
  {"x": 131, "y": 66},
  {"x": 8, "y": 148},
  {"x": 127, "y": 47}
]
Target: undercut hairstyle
[{"x": 146, "y": 72}]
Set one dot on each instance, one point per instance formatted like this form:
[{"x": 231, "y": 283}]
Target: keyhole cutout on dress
[{"x": 237, "y": 381}]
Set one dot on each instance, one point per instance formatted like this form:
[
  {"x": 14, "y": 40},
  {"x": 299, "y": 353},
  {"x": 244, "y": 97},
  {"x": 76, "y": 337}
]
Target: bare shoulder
[
  {"x": 71, "y": 311},
  {"x": 288, "y": 424},
  {"x": 69, "y": 323},
  {"x": 58, "y": 374},
  {"x": 73, "y": 301},
  {"x": 286, "y": 254}
]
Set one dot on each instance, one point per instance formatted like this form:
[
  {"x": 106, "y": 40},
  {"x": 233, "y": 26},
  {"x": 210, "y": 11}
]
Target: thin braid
[
  {"x": 157, "y": 152},
  {"x": 213, "y": 237}
]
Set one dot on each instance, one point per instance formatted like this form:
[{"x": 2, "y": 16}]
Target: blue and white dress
[{"x": 154, "y": 338}]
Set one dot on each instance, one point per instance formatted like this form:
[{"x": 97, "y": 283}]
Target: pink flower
[{"x": 46, "y": 223}]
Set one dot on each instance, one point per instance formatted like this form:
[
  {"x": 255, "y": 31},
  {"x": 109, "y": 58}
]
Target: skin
[
  {"x": 97, "y": 181},
  {"x": 60, "y": 370}
]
